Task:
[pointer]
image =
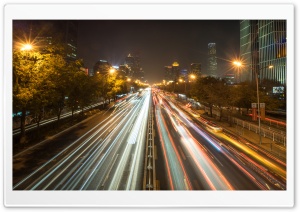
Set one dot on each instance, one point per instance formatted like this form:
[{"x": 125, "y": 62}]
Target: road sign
[{"x": 253, "y": 105}]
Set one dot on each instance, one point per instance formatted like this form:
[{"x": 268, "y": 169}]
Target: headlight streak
[
  {"x": 138, "y": 129},
  {"x": 63, "y": 161},
  {"x": 245, "y": 170},
  {"x": 177, "y": 175},
  {"x": 106, "y": 153},
  {"x": 137, "y": 164},
  {"x": 122, "y": 132},
  {"x": 253, "y": 154},
  {"x": 211, "y": 173},
  {"x": 267, "y": 153},
  {"x": 61, "y": 152},
  {"x": 249, "y": 151},
  {"x": 71, "y": 154}
]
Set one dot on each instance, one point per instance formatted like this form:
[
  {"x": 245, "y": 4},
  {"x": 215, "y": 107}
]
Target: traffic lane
[
  {"x": 93, "y": 126},
  {"x": 189, "y": 167},
  {"x": 244, "y": 149},
  {"x": 235, "y": 175},
  {"x": 28, "y": 161},
  {"x": 107, "y": 168},
  {"x": 238, "y": 179},
  {"x": 56, "y": 165}
]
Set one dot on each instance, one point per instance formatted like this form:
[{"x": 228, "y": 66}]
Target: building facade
[
  {"x": 101, "y": 67},
  {"x": 175, "y": 71},
  {"x": 263, "y": 43},
  {"x": 212, "y": 60},
  {"x": 168, "y": 73},
  {"x": 134, "y": 67}
]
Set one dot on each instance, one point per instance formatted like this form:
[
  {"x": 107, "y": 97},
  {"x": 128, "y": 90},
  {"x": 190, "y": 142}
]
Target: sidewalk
[{"x": 249, "y": 136}]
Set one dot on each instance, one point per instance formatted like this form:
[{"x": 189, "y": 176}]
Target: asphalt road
[{"x": 105, "y": 152}]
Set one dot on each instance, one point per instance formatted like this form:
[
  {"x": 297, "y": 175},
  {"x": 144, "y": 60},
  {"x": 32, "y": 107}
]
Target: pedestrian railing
[{"x": 277, "y": 136}]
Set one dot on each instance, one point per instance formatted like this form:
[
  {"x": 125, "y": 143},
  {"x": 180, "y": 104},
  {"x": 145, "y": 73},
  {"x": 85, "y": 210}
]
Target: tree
[
  {"x": 202, "y": 91},
  {"x": 28, "y": 77}
]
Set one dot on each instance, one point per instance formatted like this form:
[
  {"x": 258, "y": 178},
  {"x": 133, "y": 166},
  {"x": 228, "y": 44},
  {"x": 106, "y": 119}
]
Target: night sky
[{"x": 159, "y": 43}]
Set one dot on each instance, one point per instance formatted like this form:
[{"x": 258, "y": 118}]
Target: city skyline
[{"x": 159, "y": 42}]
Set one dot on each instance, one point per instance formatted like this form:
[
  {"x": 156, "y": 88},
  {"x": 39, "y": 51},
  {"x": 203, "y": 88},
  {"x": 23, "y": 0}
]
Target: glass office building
[
  {"x": 212, "y": 60},
  {"x": 263, "y": 43}
]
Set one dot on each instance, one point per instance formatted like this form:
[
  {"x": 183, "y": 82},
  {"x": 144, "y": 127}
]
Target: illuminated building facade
[
  {"x": 175, "y": 71},
  {"x": 263, "y": 43},
  {"x": 168, "y": 73},
  {"x": 135, "y": 70},
  {"x": 212, "y": 60}
]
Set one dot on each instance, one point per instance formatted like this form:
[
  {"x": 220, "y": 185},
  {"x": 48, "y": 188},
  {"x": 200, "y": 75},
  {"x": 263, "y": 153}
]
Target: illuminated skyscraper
[
  {"x": 175, "y": 71},
  {"x": 263, "y": 43},
  {"x": 134, "y": 67},
  {"x": 168, "y": 73},
  {"x": 212, "y": 60}
]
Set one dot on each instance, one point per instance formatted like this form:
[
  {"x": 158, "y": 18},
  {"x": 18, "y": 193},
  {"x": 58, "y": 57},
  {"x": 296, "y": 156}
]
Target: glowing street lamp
[
  {"x": 193, "y": 76},
  {"x": 239, "y": 64},
  {"x": 112, "y": 70},
  {"x": 26, "y": 47}
]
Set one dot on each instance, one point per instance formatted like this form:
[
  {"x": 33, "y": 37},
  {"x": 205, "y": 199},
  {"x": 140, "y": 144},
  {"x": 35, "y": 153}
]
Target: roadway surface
[
  {"x": 107, "y": 152},
  {"x": 103, "y": 153}
]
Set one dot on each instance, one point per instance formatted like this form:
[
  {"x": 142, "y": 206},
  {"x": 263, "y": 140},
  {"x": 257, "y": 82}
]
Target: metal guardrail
[
  {"x": 149, "y": 170},
  {"x": 279, "y": 137},
  {"x": 275, "y": 135},
  {"x": 29, "y": 126}
]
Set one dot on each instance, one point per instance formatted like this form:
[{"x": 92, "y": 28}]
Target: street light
[
  {"x": 26, "y": 47},
  {"x": 239, "y": 64}
]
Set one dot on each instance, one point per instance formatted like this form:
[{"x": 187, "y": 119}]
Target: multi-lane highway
[
  {"x": 108, "y": 156},
  {"x": 203, "y": 157},
  {"x": 108, "y": 153}
]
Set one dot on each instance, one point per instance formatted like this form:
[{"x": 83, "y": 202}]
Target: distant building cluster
[
  {"x": 131, "y": 67},
  {"x": 172, "y": 72}
]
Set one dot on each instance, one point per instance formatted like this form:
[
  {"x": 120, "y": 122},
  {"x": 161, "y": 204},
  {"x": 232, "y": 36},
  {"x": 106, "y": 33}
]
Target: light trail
[
  {"x": 94, "y": 147},
  {"x": 178, "y": 178}
]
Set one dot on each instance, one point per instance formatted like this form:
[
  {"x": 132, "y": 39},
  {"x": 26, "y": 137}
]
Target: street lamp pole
[
  {"x": 239, "y": 64},
  {"x": 258, "y": 105}
]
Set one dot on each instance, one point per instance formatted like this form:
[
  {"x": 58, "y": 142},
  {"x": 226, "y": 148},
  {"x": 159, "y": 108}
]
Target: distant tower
[
  {"x": 212, "y": 60},
  {"x": 168, "y": 73},
  {"x": 175, "y": 71},
  {"x": 134, "y": 66}
]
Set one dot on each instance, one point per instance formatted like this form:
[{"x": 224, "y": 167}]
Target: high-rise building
[
  {"x": 175, "y": 71},
  {"x": 212, "y": 60},
  {"x": 168, "y": 73},
  {"x": 263, "y": 43},
  {"x": 101, "y": 67},
  {"x": 196, "y": 69},
  {"x": 134, "y": 67}
]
